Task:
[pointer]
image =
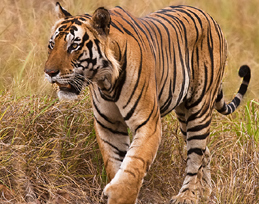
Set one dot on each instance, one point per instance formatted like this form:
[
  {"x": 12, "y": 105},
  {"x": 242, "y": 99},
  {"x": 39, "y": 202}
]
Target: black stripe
[
  {"x": 118, "y": 159},
  {"x": 167, "y": 31},
  {"x": 163, "y": 86},
  {"x": 199, "y": 137},
  {"x": 132, "y": 26},
  {"x": 219, "y": 97},
  {"x": 139, "y": 27},
  {"x": 167, "y": 103},
  {"x": 148, "y": 118},
  {"x": 130, "y": 113},
  {"x": 196, "y": 151},
  {"x": 174, "y": 79},
  {"x": 211, "y": 47},
  {"x": 180, "y": 22},
  {"x": 232, "y": 107},
  {"x": 199, "y": 127},
  {"x": 82, "y": 19},
  {"x": 118, "y": 151},
  {"x": 89, "y": 45},
  {"x": 62, "y": 28},
  {"x": 242, "y": 89},
  {"x": 73, "y": 29},
  {"x": 217, "y": 29},
  {"x": 110, "y": 129},
  {"x": 180, "y": 120},
  {"x": 161, "y": 52},
  {"x": 162, "y": 49},
  {"x": 199, "y": 112},
  {"x": 203, "y": 91},
  {"x": 180, "y": 57},
  {"x": 155, "y": 42},
  {"x": 197, "y": 17},
  {"x": 236, "y": 101},
  {"x": 183, "y": 132},
  {"x": 190, "y": 16},
  {"x": 119, "y": 50},
  {"x": 137, "y": 82},
  {"x": 87, "y": 16},
  {"x": 101, "y": 114},
  {"x": 116, "y": 27},
  {"x": 192, "y": 174},
  {"x": 97, "y": 42},
  {"x": 95, "y": 95},
  {"x": 151, "y": 45},
  {"x": 187, "y": 189},
  {"x": 153, "y": 33},
  {"x": 223, "y": 109}
]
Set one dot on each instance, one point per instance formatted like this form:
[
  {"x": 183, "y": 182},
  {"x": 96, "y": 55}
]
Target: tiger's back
[
  {"x": 138, "y": 70},
  {"x": 188, "y": 48}
]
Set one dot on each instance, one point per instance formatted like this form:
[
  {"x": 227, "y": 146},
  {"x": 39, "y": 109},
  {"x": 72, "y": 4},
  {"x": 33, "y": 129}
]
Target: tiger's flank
[{"x": 138, "y": 70}]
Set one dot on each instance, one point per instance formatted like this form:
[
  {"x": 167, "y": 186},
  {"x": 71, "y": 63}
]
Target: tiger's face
[{"x": 79, "y": 53}]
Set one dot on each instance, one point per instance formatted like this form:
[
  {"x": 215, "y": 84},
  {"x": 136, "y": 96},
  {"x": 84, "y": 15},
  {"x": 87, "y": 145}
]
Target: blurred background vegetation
[
  {"x": 25, "y": 29},
  {"x": 48, "y": 151}
]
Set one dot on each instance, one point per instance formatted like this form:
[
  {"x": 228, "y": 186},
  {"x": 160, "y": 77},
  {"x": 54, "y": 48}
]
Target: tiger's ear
[
  {"x": 101, "y": 21},
  {"x": 61, "y": 12}
]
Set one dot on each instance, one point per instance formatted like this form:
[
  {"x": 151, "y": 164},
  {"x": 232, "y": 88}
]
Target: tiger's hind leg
[
  {"x": 206, "y": 175},
  {"x": 180, "y": 113},
  {"x": 198, "y": 180}
]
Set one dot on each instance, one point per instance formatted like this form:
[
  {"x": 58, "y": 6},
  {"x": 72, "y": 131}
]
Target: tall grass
[
  {"x": 25, "y": 27},
  {"x": 48, "y": 151}
]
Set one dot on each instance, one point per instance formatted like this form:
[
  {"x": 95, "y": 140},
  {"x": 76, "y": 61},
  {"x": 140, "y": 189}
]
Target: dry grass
[
  {"x": 48, "y": 151},
  {"x": 49, "y": 154}
]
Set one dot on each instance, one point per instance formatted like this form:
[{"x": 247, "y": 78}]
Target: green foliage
[{"x": 251, "y": 126}]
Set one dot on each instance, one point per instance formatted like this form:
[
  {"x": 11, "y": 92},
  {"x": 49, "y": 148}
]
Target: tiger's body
[{"x": 138, "y": 70}]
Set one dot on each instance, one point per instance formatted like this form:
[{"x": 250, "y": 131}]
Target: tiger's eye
[{"x": 74, "y": 45}]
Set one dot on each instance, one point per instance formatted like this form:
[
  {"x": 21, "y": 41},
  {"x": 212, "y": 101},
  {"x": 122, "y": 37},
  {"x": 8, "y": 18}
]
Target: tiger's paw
[
  {"x": 186, "y": 197},
  {"x": 119, "y": 193}
]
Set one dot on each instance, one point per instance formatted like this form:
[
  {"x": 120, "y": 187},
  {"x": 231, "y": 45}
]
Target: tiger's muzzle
[{"x": 70, "y": 85}]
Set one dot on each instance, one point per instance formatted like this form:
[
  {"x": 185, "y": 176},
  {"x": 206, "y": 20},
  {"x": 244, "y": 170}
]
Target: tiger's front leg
[
  {"x": 111, "y": 133},
  {"x": 125, "y": 186},
  {"x": 113, "y": 145}
]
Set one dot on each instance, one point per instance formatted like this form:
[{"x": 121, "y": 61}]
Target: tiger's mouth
[{"x": 69, "y": 88}]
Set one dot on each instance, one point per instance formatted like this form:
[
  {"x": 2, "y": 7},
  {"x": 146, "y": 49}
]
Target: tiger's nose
[{"x": 51, "y": 73}]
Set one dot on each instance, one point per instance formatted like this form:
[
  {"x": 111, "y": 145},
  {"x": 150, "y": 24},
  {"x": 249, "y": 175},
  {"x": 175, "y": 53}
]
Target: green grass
[{"x": 49, "y": 153}]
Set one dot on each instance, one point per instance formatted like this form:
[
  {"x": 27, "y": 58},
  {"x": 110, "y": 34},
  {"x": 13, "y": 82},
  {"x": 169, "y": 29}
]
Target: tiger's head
[{"x": 80, "y": 52}]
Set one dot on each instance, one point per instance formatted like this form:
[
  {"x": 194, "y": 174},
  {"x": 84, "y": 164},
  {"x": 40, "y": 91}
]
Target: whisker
[{"x": 76, "y": 80}]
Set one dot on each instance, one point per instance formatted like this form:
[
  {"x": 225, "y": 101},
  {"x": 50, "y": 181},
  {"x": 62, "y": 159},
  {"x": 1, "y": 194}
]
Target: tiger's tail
[{"x": 226, "y": 109}]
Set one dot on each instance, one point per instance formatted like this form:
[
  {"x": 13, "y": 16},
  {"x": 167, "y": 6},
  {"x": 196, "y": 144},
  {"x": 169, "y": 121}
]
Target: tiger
[{"x": 139, "y": 70}]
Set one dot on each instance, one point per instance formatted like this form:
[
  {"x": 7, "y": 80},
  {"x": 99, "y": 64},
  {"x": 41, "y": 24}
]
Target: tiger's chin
[
  {"x": 67, "y": 96},
  {"x": 67, "y": 92}
]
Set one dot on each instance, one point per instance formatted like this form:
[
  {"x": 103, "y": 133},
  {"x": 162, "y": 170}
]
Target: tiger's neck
[{"x": 110, "y": 89}]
